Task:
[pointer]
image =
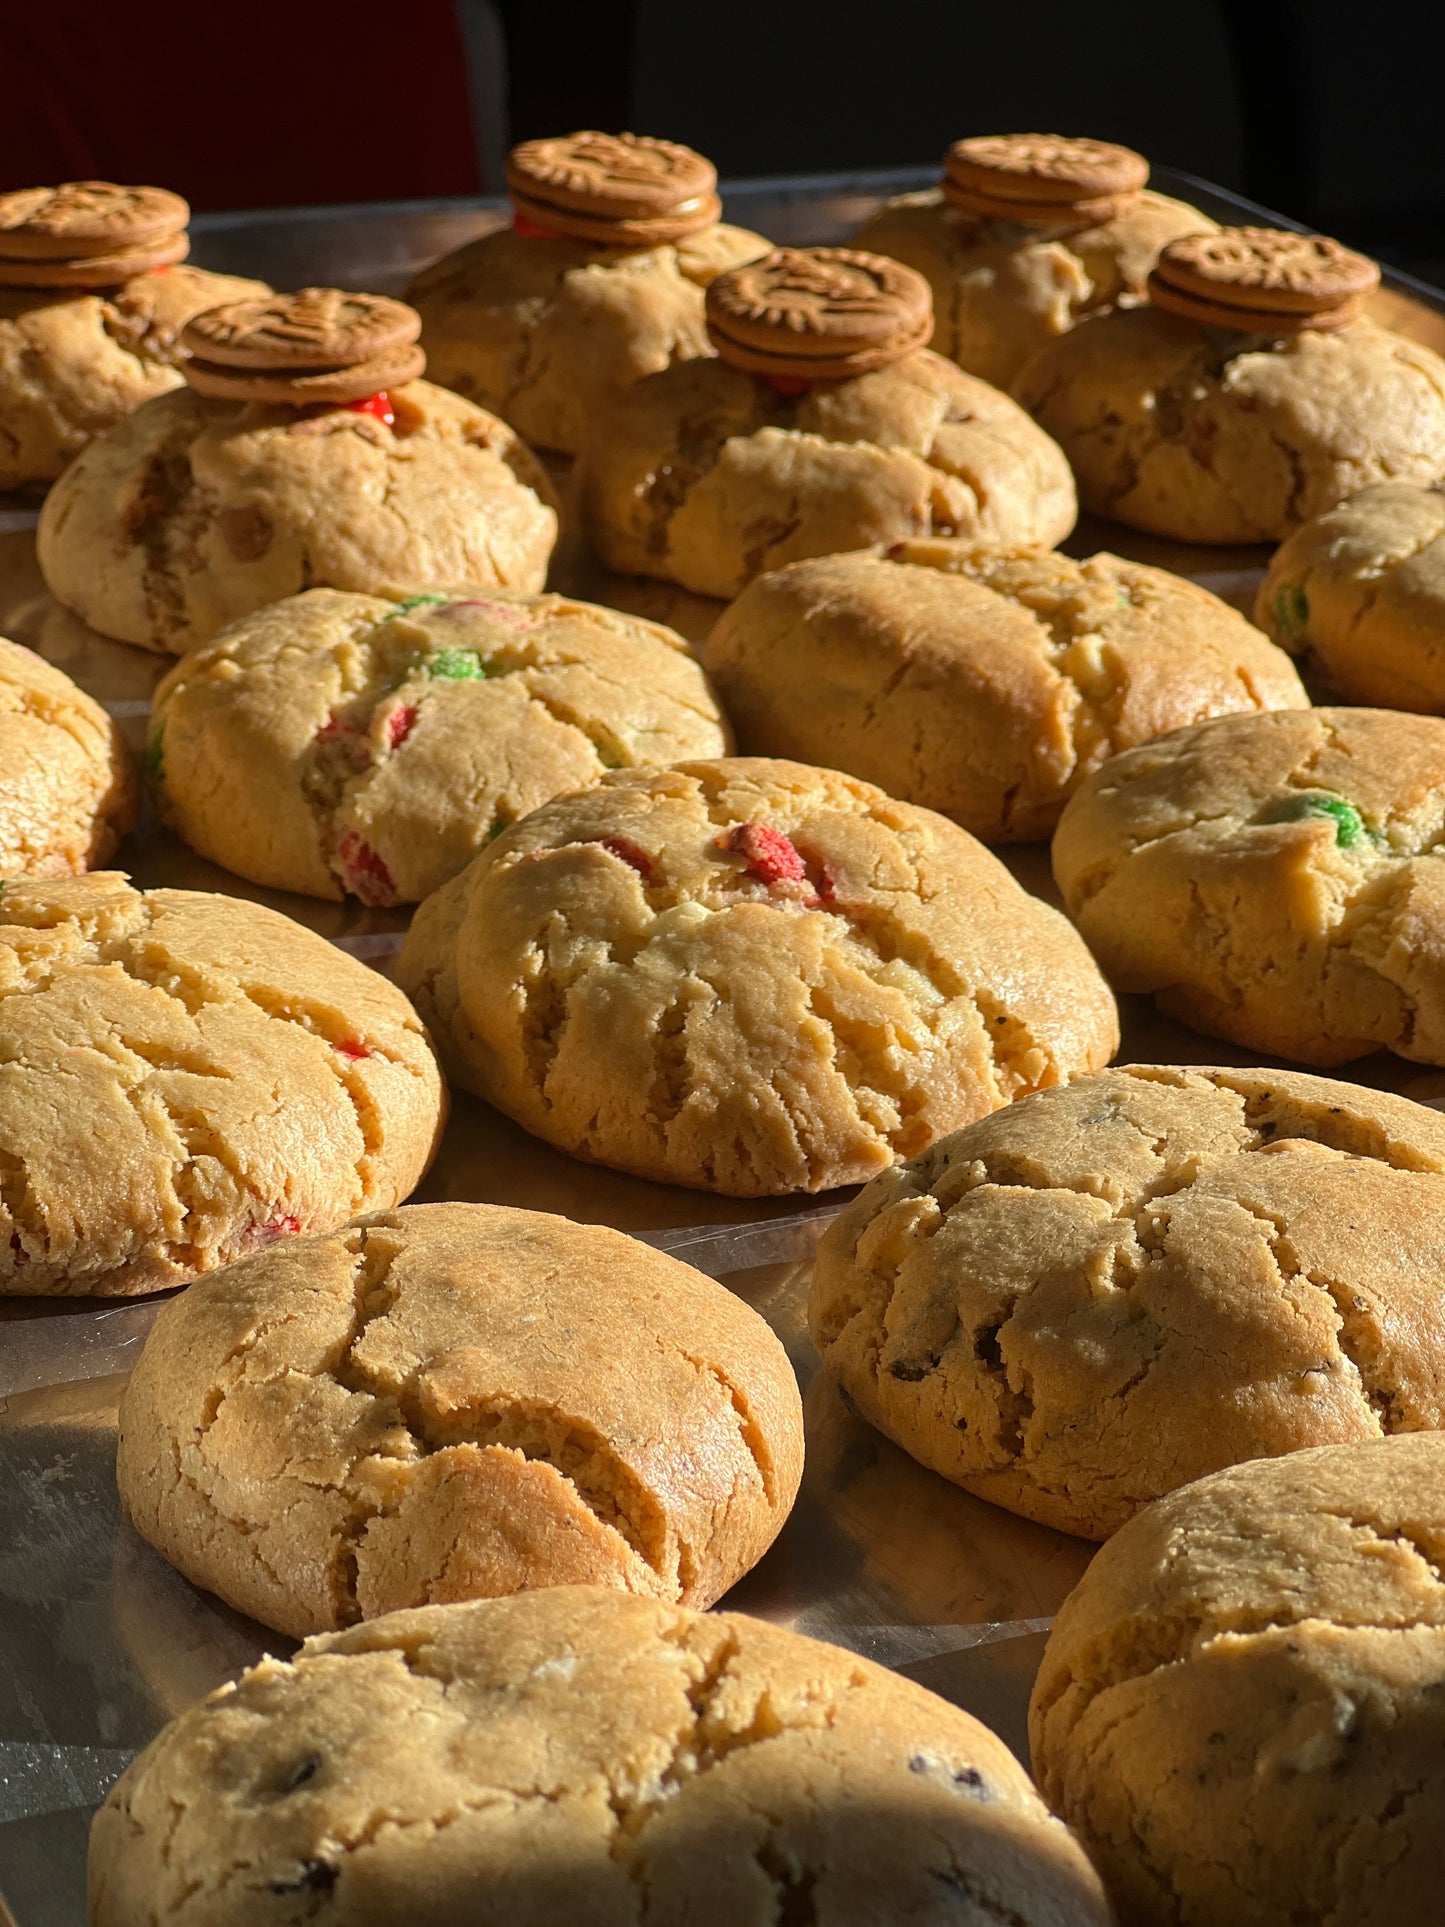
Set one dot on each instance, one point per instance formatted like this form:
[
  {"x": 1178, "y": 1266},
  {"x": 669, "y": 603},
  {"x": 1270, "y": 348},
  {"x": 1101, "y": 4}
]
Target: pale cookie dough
[
  {"x": 984, "y": 683},
  {"x": 333, "y": 742},
  {"x": 749, "y": 976},
  {"x": 186, "y": 1077},
  {"x": 74, "y": 363},
  {"x": 707, "y": 476},
  {"x": 584, "y": 1756},
  {"x": 1359, "y": 594},
  {"x": 1002, "y": 291},
  {"x": 1085, "y": 1300},
  {"x": 68, "y": 789},
  {"x": 452, "y": 1401},
  {"x": 1241, "y": 1706},
  {"x": 193, "y": 512},
  {"x": 1273, "y": 879},
  {"x": 546, "y": 330},
  {"x": 1212, "y": 436}
]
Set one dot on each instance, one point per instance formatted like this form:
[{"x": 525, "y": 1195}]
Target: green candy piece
[
  {"x": 1349, "y": 824},
  {"x": 501, "y": 821},
  {"x": 156, "y": 754},
  {"x": 458, "y": 665},
  {"x": 1292, "y": 611},
  {"x": 415, "y": 602}
]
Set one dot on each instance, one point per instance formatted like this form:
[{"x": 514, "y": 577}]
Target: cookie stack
[
  {"x": 624, "y": 190},
  {"x": 295, "y": 350},
  {"x": 1042, "y": 180},
  {"x": 1263, "y": 281},
  {"x": 89, "y": 234}
]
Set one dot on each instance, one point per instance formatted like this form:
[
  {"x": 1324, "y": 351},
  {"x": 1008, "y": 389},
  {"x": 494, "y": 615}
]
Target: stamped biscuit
[
  {"x": 313, "y": 329},
  {"x": 819, "y": 313},
  {"x": 86, "y": 218},
  {"x": 1262, "y": 280},
  {"x": 96, "y": 270},
  {"x": 1042, "y": 179},
  {"x": 626, "y": 188}
]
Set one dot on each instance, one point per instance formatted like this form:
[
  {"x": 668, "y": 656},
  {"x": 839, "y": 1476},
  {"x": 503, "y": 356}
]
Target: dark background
[{"x": 1328, "y": 111}]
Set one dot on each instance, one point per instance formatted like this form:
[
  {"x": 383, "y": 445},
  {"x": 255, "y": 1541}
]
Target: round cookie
[
  {"x": 1359, "y": 594},
  {"x": 316, "y": 328},
  {"x": 86, "y": 220},
  {"x": 194, "y": 512},
  {"x": 818, "y": 313},
  {"x": 74, "y": 364},
  {"x": 1008, "y": 277},
  {"x": 1240, "y": 1705},
  {"x": 545, "y": 326},
  {"x": 519, "y": 1401},
  {"x": 582, "y": 1755},
  {"x": 1211, "y": 435},
  {"x": 749, "y": 976},
  {"x": 1262, "y": 280},
  {"x": 333, "y": 742},
  {"x": 1111, "y": 1288},
  {"x": 68, "y": 789},
  {"x": 709, "y": 477},
  {"x": 984, "y": 683},
  {"x": 1273, "y": 879},
  {"x": 184, "y": 1078}
]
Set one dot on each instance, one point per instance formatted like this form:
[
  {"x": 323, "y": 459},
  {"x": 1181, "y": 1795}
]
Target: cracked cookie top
[
  {"x": 185, "y": 1077},
  {"x": 1274, "y": 879},
  {"x": 708, "y": 476},
  {"x": 1080, "y": 1303},
  {"x": 579, "y": 1754},
  {"x": 1240, "y": 1704},
  {"x": 985, "y": 683},
  {"x": 453, "y": 1401},
  {"x": 193, "y": 512},
  {"x": 68, "y": 789},
  {"x": 749, "y": 976},
  {"x": 1359, "y": 593},
  {"x": 333, "y": 742}
]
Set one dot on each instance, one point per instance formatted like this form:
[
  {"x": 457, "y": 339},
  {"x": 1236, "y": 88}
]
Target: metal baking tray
[{"x": 100, "y": 1641}]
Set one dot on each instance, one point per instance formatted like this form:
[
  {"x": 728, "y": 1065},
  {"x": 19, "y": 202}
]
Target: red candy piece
[
  {"x": 350, "y": 1048},
  {"x": 506, "y": 614},
  {"x": 378, "y": 406},
  {"x": 402, "y": 722},
  {"x": 788, "y": 384},
  {"x": 530, "y": 231},
  {"x": 366, "y": 875},
  {"x": 770, "y": 856},
  {"x": 619, "y": 846},
  {"x": 281, "y": 1224}
]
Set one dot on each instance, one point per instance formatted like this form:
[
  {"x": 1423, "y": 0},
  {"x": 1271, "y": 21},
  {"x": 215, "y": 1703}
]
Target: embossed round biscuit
[
  {"x": 985, "y": 683},
  {"x": 333, "y": 743},
  {"x": 1273, "y": 879},
  {"x": 86, "y": 217},
  {"x": 97, "y": 270},
  {"x": 1273, "y": 323},
  {"x": 185, "y": 1077},
  {"x": 1078, "y": 1304},
  {"x": 68, "y": 789},
  {"x": 354, "y": 382},
  {"x": 316, "y": 328},
  {"x": 1266, "y": 268},
  {"x": 458, "y": 1401},
  {"x": 824, "y": 313},
  {"x": 1045, "y": 168},
  {"x": 749, "y": 976},
  {"x": 580, "y": 1754},
  {"x": 1242, "y": 1703},
  {"x": 611, "y": 176}
]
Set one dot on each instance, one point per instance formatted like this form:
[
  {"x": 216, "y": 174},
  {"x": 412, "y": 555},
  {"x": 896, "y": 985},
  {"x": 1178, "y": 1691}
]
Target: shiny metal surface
[{"x": 100, "y": 1641}]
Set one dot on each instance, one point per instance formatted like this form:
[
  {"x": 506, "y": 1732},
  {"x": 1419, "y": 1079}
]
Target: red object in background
[{"x": 266, "y": 105}]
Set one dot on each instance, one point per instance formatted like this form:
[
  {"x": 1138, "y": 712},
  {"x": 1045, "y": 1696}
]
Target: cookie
[
  {"x": 708, "y": 476},
  {"x": 317, "y": 328},
  {"x": 1262, "y": 280},
  {"x": 1108, "y": 1289},
  {"x": 583, "y": 1755},
  {"x": 184, "y": 1078},
  {"x": 68, "y": 789},
  {"x": 819, "y": 313},
  {"x": 285, "y": 388},
  {"x": 1211, "y": 436},
  {"x": 86, "y": 218},
  {"x": 1042, "y": 178},
  {"x": 192, "y": 513},
  {"x": 984, "y": 683},
  {"x": 1359, "y": 594},
  {"x": 333, "y": 742},
  {"x": 620, "y": 189},
  {"x": 1240, "y": 1706},
  {"x": 457, "y": 1401},
  {"x": 74, "y": 364},
  {"x": 1273, "y": 879},
  {"x": 748, "y": 976},
  {"x": 96, "y": 270}
]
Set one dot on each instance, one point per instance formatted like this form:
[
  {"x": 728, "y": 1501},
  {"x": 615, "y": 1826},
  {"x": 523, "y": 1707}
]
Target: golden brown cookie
[
  {"x": 1274, "y": 879},
  {"x": 1085, "y": 1300},
  {"x": 580, "y": 1755},
  {"x": 622, "y": 189},
  {"x": 985, "y": 683},
  {"x": 86, "y": 218},
  {"x": 750, "y": 977},
  {"x": 1042, "y": 179},
  {"x": 457, "y": 1401},
  {"x": 822, "y": 314},
  {"x": 315, "y": 328},
  {"x": 96, "y": 270},
  {"x": 1240, "y": 1705},
  {"x": 1267, "y": 279},
  {"x": 68, "y": 788}
]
